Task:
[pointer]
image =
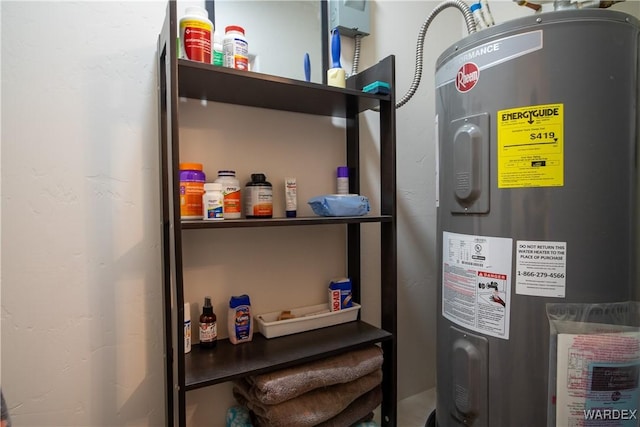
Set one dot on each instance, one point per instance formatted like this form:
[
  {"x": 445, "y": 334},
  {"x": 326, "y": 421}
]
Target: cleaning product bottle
[
  {"x": 240, "y": 322},
  {"x": 208, "y": 325}
]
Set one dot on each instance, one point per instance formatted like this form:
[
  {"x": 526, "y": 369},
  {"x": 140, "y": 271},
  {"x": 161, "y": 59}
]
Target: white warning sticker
[
  {"x": 541, "y": 268},
  {"x": 476, "y": 282}
]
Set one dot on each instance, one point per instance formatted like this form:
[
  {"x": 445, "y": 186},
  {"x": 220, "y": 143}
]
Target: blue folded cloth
[
  {"x": 238, "y": 416},
  {"x": 340, "y": 205}
]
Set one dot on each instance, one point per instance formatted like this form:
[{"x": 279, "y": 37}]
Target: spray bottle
[{"x": 208, "y": 325}]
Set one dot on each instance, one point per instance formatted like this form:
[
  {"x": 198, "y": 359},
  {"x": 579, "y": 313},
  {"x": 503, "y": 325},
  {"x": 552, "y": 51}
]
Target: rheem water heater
[{"x": 538, "y": 128}]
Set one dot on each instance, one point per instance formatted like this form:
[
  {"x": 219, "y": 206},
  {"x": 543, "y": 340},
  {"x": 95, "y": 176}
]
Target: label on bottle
[
  {"x": 191, "y": 199},
  {"x": 187, "y": 336},
  {"x": 242, "y": 323},
  {"x": 343, "y": 185},
  {"x": 212, "y": 204},
  {"x": 196, "y": 40},
  {"x": 258, "y": 201},
  {"x": 208, "y": 332},
  {"x": 218, "y": 58},
  {"x": 236, "y": 53},
  {"x": 231, "y": 199}
]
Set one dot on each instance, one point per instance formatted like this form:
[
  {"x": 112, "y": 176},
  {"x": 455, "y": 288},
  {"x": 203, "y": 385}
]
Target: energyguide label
[{"x": 531, "y": 146}]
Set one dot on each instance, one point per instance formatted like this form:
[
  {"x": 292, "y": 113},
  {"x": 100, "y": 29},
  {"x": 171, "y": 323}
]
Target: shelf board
[
  {"x": 205, "y": 367},
  {"x": 276, "y": 222},
  {"x": 204, "y": 81}
]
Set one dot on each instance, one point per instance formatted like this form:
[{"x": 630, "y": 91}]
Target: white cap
[
  {"x": 213, "y": 186},
  {"x": 197, "y": 10}
]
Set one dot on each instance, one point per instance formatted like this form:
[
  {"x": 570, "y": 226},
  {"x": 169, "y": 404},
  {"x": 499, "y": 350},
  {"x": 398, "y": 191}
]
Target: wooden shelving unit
[{"x": 180, "y": 78}]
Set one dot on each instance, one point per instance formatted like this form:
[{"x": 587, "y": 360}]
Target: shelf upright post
[
  {"x": 388, "y": 238},
  {"x": 170, "y": 219},
  {"x": 383, "y": 71},
  {"x": 353, "y": 163}
]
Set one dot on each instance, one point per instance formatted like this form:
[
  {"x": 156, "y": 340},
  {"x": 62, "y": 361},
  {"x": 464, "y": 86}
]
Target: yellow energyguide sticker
[{"x": 531, "y": 146}]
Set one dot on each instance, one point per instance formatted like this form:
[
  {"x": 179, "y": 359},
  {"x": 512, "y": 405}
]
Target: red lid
[{"x": 234, "y": 28}]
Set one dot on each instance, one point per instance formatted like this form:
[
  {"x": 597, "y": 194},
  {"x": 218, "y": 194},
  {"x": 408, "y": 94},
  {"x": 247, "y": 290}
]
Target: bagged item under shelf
[{"x": 340, "y": 205}]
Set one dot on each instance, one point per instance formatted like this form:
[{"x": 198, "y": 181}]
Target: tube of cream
[{"x": 290, "y": 197}]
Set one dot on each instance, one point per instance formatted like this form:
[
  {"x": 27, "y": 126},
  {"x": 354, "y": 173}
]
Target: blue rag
[
  {"x": 238, "y": 416},
  {"x": 340, "y": 205}
]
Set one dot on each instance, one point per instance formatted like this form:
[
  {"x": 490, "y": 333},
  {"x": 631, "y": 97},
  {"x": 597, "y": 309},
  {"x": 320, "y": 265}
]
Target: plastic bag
[
  {"x": 594, "y": 363},
  {"x": 340, "y": 205}
]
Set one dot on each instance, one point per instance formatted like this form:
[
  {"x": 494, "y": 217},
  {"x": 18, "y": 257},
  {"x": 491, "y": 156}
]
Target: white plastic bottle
[
  {"x": 236, "y": 48},
  {"x": 196, "y": 33},
  {"x": 218, "y": 49},
  {"x": 231, "y": 192},
  {"x": 187, "y": 327},
  {"x": 212, "y": 201},
  {"x": 342, "y": 180}
]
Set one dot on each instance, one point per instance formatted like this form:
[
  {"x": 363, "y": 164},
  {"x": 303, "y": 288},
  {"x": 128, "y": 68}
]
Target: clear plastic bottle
[
  {"x": 212, "y": 201},
  {"x": 236, "y": 48}
]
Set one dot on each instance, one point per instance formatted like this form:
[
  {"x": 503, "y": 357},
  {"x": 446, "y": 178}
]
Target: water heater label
[
  {"x": 541, "y": 268},
  {"x": 531, "y": 146},
  {"x": 485, "y": 56},
  {"x": 476, "y": 282}
]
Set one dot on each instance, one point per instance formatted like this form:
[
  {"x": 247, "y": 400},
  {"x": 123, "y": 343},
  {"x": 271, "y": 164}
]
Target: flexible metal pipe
[
  {"x": 417, "y": 76},
  {"x": 356, "y": 55}
]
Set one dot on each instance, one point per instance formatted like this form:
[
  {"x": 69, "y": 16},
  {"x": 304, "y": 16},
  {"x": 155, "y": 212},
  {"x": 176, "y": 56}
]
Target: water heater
[{"x": 538, "y": 134}]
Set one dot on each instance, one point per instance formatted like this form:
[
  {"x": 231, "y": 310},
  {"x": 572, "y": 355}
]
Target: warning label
[
  {"x": 476, "y": 282},
  {"x": 541, "y": 268},
  {"x": 531, "y": 146}
]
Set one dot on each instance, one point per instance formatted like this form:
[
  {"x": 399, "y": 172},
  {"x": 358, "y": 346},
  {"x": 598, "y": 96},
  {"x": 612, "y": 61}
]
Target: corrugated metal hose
[{"x": 417, "y": 75}]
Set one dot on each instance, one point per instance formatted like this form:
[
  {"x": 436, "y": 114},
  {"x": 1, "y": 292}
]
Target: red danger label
[
  {"x": 467, "y": 77},
  {"x": 492, "y": 275}
]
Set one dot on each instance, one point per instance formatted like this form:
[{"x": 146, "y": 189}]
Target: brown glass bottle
[{"x": 208, "y": 325}]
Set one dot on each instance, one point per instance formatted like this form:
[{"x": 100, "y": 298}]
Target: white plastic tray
[{"x": 307, "y": 319}]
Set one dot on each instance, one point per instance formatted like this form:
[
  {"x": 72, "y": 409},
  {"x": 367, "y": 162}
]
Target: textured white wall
[{"x": 81, "y": 300}]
